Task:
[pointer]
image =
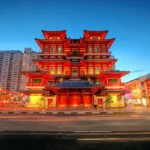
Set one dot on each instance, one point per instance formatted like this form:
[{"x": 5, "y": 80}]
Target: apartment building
[
  {"x": 12, "y": 62},
  {"x": 10, "y": 68}
]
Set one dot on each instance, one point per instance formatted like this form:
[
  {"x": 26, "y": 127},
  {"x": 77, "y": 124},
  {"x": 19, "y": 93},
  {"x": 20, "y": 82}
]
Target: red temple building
[{"x": 75, "y": 72}]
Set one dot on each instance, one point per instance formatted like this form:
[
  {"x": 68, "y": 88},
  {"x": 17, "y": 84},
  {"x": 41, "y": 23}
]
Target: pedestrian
[{"x": 95, "y": 104}]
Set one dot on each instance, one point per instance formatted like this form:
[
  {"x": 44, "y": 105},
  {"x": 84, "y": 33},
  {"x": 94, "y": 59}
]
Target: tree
[
  {"x": 108, "y": 100},
  {"x": 41, "y": 102}
]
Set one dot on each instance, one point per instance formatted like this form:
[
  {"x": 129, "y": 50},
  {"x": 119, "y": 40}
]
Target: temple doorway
[
  {"x": 75, "y": 53},
  {"x": 74, "y": 72}
]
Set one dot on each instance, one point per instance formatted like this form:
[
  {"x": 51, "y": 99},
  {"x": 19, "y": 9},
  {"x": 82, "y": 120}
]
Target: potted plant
[{"x": 108, "y": 101}]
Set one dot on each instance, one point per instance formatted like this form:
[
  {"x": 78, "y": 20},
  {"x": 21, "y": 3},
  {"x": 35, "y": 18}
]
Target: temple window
[
  {"x": 53, "y": 49},
  {"x": 67, "y": 72},
  {"x": 59, "y": 70},
  {"x": 103, "y": 48},
  {"x": 119, "y": 98},
  {"x": 36, "y": 80},
  {"x": 90, "y": 70},
  {"x": 55, "y": 38},
  {"x": 44, "y": 67},
  {"x": 75, "y": 53},
  {"x": 97, "y": 70},
  {"x": 46, "y": 48},
  {"x": 95, "y": 38},
  {"x": 96, "y": 49},
  {"x": 82, "y": 72},
  {"x": 59, "y": 49},
  {"x": 97, "y": 82},
  {"x": 51, "y": 82},
  {"x": 113, "y": 82},
  {"x": 89, "y": 49},
  {"x": 103, "y": 57},
  {"x": 52, "y": 70},
  {"x": 74, "y": 72}
]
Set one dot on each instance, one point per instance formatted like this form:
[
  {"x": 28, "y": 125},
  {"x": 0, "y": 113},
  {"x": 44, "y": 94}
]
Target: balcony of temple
[
  {"x": 55, "y": 56},
  {"x": 97, "y": 56},
  {"x": 36, "y": 83}
]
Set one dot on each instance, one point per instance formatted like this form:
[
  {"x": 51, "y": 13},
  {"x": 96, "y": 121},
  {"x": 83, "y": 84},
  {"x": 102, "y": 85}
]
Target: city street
[{"x": 101, "y": 123}]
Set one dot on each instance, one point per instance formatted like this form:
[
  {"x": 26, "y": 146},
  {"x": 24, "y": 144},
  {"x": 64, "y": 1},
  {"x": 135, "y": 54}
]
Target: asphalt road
[{"x": 100, "y": 123}]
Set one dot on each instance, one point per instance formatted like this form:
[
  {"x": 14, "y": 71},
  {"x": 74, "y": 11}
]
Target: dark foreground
[{"x": 74, "y": 141}]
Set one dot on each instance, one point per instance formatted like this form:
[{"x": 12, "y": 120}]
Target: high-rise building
[
  {"x": 75, "y": 72},
  {"x": 27, "y": 65},
  {"x": 12, "y": 62},
  {"x": 10, "y": 68}
]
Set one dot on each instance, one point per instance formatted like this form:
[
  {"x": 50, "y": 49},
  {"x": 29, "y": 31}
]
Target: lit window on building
[
  {"x": 59, "y": 49},
  {"x": 119, "y": 98},
  {"x": 103, "y": 48},
  {"x": 89, "y": 49},
  {"x": 59, "y": 70},
  {"x": 96, "y": 49},
  {"x": 52, "y": 82},
  {"x": 95, "y": 38},
  {"x": 37, "y": 80},
  {"x": 74, "y": 72},
  {"x": 44, "y": 68},
  {"x": 113, "y": 81},
  {"x": 52, "y": 70},
  {"x": 90, "y": 70},
  {"x": 82, "y": 72},
  {"x": 53, "y": 49},
  {"x": 97, "y": 70},
  {"x": 55, "y": 38},
  {"x": 97, "y": 82},
  {"x": 46, "y": 48}
]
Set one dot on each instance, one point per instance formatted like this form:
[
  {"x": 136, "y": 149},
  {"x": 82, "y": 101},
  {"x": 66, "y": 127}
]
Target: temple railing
[
  {"x": 97, "y": 53},
  {"x": 54, "y": 53},
  {"x": 35, "y": 84},
  {"x": 88, "y": 75},
  {"x": 115, "y": 84},
  {"x": 60, "y": 75}
]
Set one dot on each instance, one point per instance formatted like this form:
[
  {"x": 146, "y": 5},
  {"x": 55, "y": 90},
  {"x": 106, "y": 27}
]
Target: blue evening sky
[{"x": 127, "y": 20}]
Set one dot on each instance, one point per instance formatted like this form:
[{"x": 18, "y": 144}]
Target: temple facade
[{"x": 75, "y": 72}]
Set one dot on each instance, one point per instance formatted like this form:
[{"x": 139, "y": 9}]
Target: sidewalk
[{"x": 75, "y": 111}]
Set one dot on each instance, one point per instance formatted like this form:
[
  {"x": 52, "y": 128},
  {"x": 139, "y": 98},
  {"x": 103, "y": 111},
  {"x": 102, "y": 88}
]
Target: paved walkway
[{"x": 74, "y": 111}]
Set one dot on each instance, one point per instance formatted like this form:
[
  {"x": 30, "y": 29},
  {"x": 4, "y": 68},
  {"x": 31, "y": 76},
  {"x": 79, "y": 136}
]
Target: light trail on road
[{"x": 136, "y": 122}]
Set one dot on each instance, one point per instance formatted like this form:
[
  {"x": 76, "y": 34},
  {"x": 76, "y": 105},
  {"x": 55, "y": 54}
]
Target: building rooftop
[{"x": 76, "y": 84}]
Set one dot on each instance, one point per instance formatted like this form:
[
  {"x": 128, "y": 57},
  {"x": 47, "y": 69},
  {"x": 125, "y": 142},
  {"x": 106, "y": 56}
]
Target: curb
[{"x": 73, "y": 112}]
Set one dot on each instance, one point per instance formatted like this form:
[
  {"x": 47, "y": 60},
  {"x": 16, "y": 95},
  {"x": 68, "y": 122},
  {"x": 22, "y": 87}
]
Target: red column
[
  {"x": 94, "y": 69},
  {"x": 82, "y": 96},
  {"x": 56, "y": 49},
  {"x": 67, "y": 98},
  {"x": 87, "y": 69},
  {"x": 57, "y": 99},
  {"x": 55, "y": 69},
  {"x": 92, "y": 101},
  {"x": 92, "y": 48},
  {"x": 71, "y": 71},
  {"x": 100, "y": 48},
  {"x": 31, "y": 81},
  {"x": 62, "y": 69},
  {"x": 43, "y": 81},
  {"x": 78, "y": 71},
  {"x": 49, "y": 47}
]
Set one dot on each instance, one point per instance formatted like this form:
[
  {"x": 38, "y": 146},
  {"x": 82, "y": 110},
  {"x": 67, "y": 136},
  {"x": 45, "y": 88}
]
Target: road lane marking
[
  {"x": 114, "y": 139},
  {"x": 92, "y": 131}
]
